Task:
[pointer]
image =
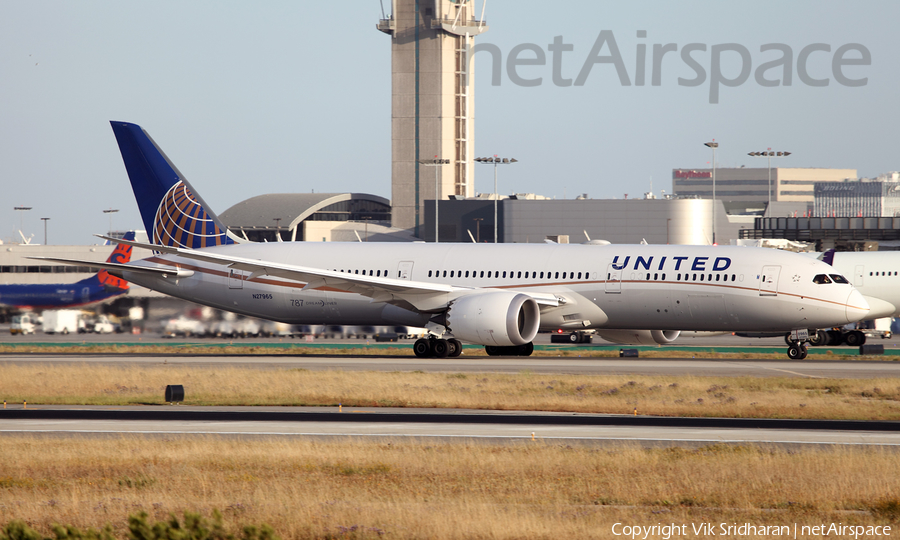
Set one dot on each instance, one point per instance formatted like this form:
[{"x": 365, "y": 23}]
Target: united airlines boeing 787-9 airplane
[{"x": 496, "y": 295}]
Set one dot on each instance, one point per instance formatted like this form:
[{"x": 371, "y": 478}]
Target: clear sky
[{"x": 250, "y": 98}]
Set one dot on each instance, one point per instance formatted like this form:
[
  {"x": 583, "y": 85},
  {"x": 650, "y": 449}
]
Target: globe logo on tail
[{"x": 182, "y": 222}]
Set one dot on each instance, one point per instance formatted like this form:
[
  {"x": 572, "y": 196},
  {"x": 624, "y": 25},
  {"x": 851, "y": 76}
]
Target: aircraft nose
[{"x": 857, "y": 307}]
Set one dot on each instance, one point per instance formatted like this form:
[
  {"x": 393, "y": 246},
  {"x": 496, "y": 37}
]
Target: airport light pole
[
  {"x": 496, "y": 161},
  {"x": 769, "y": 154},
  {"x": 45, "y": 220},
  {"x": 110, "y": 211},
  {"x": 713, "y": 145},
  {"x": 436, "y": 163},
  {"x": 478, "y": 221}
]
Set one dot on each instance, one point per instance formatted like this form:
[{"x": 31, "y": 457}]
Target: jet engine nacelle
[
  {"x": 494, "y": 318},
  {"x": 639, "y": 337}
]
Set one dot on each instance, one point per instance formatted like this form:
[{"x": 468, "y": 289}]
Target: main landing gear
[{"x": 432, "y": 347}]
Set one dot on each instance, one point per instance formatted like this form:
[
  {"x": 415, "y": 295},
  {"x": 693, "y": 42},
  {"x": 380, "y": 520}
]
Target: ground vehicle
[
  {"x": 61, "y": 321},
  {"x": 22, "y": 324},
  {"x": 103, "y": 326}
]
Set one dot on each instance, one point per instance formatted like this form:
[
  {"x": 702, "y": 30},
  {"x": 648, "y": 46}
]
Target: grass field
[
  {"x": 746, "y": 397},
  {"x": 353, "y": 489}
]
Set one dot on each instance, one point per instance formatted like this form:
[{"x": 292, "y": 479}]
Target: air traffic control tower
[{"x": 432, "y": 103}]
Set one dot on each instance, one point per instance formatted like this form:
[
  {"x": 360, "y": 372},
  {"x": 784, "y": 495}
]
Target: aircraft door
[
  {"x": 235, "y": 279},
  {"x": 768, "y": 281},
  {"x": 858, "y": 273},
  {"x": 613, "y": 280},
  {"x": 404, "y": 270},
  {"x": 86, "y": 294}
]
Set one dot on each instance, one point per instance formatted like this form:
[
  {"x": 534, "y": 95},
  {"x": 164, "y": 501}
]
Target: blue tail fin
[{"x": 172, "y": 212}]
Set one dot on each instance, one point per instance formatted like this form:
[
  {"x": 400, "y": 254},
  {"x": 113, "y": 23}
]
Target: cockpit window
[
  {"x": 839, "y": 278},
  {"x": 821, "y": 279}
]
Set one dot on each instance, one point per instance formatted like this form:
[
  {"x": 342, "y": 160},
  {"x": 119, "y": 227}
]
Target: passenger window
[
  {"x": 663, "y": 277},
  {"x": 542, "y": 275},
  {"x": 733, "y": 277},
  {"x": 695, "y": 277},
  {"x": 504, "y": 273},
  {"x": 717, "y": 277},
  {"x": 838, "y": 278},
  {"x": 445, "y": 273},
  {"x": 451, "y": 273},
  {"x": 557, "y": 275},
  {"x": 482, "y": 273},
  {"x": 520, "y": 275},
  {"x": 579, "y": 275},
  {"x": 429, "y": 273},
  {"x": 467, "y": 273}
]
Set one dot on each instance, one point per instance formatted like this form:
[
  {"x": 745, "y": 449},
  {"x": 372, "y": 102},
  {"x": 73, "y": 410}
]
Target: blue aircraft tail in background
[
  {"x": 97, "y": 288},
  {"x": 173, "y": 213}
]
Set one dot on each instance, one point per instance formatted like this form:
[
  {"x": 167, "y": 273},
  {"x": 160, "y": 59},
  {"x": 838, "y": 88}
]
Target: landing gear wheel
[
  {"x": 455, "y": 348},
  {"x": 804, "y": 352},
  {"x": 818, "y": 338},
  {"x": 440, "y": 348},
  {"x": 855, "y": 338},
  {"x": 492, "y": 350},
  {"x": 787, "y": 340},
  {"x": 422, "y": 348},
  {"x": 525, "y": 350},
  {"x": 835, "y": 338},
  {"x": 794, "y": 352},
  {"x": 575, "y": 337}
]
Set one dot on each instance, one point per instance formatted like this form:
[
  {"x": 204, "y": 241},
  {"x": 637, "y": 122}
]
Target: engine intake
[
  {"x": 494, "y": 318},
  {"x": 639, "y": 337}
]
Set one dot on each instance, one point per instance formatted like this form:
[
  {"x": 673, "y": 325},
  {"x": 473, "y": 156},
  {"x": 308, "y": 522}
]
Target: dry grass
[
  {"x": 770, "y": 397},
  {"x": 307, "y": 489}
]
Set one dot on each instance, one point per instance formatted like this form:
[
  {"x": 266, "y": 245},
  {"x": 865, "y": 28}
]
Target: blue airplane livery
[{"x": 97, "y": 288}]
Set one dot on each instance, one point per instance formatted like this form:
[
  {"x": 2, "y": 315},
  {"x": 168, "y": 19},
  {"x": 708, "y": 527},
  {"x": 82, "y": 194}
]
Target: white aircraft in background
[
  {"x": 876, "y": 275},
  {"x": 496, "y": 295}
]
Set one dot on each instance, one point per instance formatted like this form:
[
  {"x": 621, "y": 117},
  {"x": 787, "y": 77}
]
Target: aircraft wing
[
  {"x": 421, "y": 295},
  {"x": 117, "y": 268}
]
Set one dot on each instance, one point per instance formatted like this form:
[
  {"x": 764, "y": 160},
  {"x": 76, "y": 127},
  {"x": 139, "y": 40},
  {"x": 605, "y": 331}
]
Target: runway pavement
[{"x": 428, "y": 424}]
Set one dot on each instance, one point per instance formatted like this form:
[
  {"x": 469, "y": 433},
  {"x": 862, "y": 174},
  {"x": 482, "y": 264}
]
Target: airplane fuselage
[
  {"x": 55, "y": 296},
  {"x": 617, "y": 286}
]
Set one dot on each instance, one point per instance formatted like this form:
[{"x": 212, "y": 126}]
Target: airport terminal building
[
  {"x": 523, "y": 219},
  {"x": 752, "y": 188}
]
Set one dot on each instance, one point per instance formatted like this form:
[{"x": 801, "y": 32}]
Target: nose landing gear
[
  {"x": 796, "y": 341},
  {"x": 797, "y": 351}
]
